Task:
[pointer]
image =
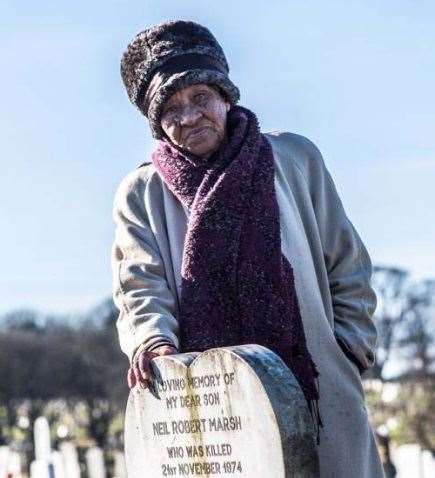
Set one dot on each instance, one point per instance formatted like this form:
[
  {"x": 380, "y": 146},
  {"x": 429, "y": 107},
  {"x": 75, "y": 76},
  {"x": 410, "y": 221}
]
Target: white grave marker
[
  {"x": 412, "y": 462},
  {"x": 4, "y": 461},
  {"x": 42, "y": 439},
  {"x": 42, "y": 467},
  {"x": 120, "y": 470},
  {"x": 95, "y": 462},
  {"x": 14, "y": 465},
  {"x": 232, "y": 411},
  {"x": 70, "y": 459},
  {"x": 57, "y": 461}
]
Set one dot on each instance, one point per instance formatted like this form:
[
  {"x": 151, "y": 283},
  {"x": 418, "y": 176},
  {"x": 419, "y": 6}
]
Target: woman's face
[{"x": 194, "y": 118}]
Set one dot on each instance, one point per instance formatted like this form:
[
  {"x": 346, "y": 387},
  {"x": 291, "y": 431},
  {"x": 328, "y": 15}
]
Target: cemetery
[{"x": 193, "y": 417}]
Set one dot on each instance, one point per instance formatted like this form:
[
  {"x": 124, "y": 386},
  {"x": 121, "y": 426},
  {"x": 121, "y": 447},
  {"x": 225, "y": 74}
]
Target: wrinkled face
[{"x": 194, "y": 118}]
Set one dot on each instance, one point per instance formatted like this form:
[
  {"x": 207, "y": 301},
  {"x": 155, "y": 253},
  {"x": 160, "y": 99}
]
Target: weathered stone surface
[{"x": 232, "y": 411}]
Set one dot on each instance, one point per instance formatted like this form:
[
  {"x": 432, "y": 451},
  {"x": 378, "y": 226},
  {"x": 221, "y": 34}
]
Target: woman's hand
[{"x": 140, "y": 372}]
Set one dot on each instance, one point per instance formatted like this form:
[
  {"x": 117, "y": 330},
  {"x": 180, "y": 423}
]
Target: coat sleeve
[
  {"x": 147, "y": 307},
  {"x": 348, "y": 266}
]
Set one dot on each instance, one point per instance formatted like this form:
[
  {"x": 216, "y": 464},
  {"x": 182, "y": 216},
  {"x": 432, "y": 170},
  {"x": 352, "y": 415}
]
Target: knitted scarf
[{"x": 237, "y": 286}]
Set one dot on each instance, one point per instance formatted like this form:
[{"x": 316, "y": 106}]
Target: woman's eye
[{"x": 200, "y": 96}]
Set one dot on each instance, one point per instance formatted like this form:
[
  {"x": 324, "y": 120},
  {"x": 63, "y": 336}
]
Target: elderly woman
[{"x": 233, "y": 236}]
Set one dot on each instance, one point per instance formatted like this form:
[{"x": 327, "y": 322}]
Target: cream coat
[{"x": 332, "y": 272}]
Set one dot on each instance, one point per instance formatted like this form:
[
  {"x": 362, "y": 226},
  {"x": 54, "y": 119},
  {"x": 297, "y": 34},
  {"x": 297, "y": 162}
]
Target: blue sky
[{"x": 357, "y": 78}]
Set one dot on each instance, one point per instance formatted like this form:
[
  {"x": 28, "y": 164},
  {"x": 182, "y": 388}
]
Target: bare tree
[
  {"x": 405, "y": 320},
  {"x": 391, "y": 284}
]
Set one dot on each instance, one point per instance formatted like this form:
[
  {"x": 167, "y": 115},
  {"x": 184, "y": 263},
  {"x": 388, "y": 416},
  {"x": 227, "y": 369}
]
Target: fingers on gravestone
[
  {"x": 142, "y": 382},
  {"x": 145, "y": 372}
]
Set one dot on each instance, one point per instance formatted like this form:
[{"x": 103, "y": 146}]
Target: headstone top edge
[{"x": 189, "y": 358}]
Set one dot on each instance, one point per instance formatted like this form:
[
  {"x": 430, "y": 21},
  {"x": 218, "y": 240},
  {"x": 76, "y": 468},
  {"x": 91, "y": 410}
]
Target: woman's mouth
[{"x": 197, "y": 132}]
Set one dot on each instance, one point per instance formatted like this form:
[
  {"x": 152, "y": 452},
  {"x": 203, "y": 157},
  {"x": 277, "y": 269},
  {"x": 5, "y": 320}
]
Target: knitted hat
[{"x": 167, "y": 57}]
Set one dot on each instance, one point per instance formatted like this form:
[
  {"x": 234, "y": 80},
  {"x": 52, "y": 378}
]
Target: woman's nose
[{"x": 190, "y": 115}]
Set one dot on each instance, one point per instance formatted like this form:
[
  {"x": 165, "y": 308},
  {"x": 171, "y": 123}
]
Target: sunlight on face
[{"x": 194, "y": 118}]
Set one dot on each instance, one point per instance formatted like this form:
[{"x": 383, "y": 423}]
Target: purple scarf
[{"x": 237, "y": 286}]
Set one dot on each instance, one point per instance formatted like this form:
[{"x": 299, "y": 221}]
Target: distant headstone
[
  {"x": 42, "y": 467},
  {"x": 95, "y": 462},
  {"x": 14, "y": 465},
  {"x": 119, "y": 468},
  {"x": 4, "y": 461},
  {"x": 42, "y": 439},
  {"x": 70, "y": 459},
  {"x": 58, "y": 466},
  {"x": 410, "y": 460},
  {"x": 232, "y": 411}
]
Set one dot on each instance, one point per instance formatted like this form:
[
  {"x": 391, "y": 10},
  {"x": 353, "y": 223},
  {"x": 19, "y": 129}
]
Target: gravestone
[
  {"x": 10, "y": 463},
  {"x": 70, "y": 459},
  {"x": 42, "y": 439},
  {"x": 58, "y": 466},
  {"x": 231, "y": 411},
  {"x": 42, "y": 467},
  {"x": 119, "y": 469},
  {"x": 410, "y": 460},
  {"x": 4, "y": 460},
  {"x": 95, "y": 462},
  {"x": 15, "y": 468}
]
